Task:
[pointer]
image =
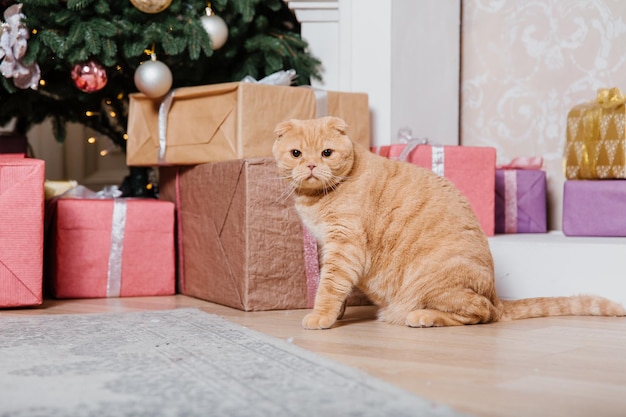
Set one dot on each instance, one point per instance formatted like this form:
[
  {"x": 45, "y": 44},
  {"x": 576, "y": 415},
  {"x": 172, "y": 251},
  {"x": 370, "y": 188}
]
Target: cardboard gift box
[
  {"x": 594, "y": 208},
  {"x": 520, "y": 201},
  {"x": 21, "y": 231},
  {"x": 110, "y": 247},
  {"x": 240, "y": 240},
  {"x": 595, "y": 145},
  {"x": 230, "y": 121},
  {"x": 470, "y": 168}
]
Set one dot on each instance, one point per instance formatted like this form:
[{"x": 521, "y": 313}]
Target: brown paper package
[
  {"x": 240, "y": 240},
  {"x": 228, "y": 121}
]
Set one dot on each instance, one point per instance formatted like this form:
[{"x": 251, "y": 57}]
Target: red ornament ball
[{"x": 89, "y": 76}]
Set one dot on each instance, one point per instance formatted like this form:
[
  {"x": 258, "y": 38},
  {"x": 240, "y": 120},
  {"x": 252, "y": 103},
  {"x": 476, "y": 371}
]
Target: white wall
[{"x": 403, "y": 53}]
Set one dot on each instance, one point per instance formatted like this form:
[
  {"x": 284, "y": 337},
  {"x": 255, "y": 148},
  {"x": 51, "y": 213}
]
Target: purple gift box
[
  {"x": 520, "y": 202},
  {"x": 594, "y": 208}
]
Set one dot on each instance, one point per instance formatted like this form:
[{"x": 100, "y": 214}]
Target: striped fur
[{"x": 403, "y": 235}]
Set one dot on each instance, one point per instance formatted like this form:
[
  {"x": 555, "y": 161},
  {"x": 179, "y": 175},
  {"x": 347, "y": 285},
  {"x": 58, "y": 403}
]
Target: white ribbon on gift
[
  {"x": 438, "y": 160},
  {"x": 437, "y": 151},
  {"x": 164, "y": 110},
  {"x": 114, "y": 274},
  {"x": 118, "y": 226}
]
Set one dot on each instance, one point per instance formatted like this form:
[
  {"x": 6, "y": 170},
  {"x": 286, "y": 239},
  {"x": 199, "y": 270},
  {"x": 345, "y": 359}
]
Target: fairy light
[
  {"x": 91, "y": 140},
  {"x": 120, "y": 96},
  {"x": 125, "y": 136},
  {"x": 42, "y": 82},
  {"x": 90, "y": 113},
  {"x": 104, "y": 152},
  {"x": 112, "y": 114}
]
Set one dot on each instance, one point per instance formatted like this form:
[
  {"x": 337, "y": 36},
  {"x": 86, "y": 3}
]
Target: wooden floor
[{"x": 566, "y": 366}]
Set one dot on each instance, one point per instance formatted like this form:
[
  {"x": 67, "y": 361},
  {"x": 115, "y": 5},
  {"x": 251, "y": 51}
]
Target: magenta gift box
[
  {"x": 520, "y": 201},
  {"x": 594, "y": 208}
]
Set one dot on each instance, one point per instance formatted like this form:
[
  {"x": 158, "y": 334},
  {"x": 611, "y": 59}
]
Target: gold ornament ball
[{"x": 151, "y": 6}]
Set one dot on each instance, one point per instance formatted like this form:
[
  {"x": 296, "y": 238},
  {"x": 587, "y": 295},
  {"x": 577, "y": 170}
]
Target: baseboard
[{"x": 551, "y": 264}]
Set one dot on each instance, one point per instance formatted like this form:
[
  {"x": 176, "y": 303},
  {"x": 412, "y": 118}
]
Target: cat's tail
[{"x": 580, "y": 305}]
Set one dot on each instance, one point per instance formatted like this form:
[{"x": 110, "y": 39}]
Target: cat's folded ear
[
  {"x": 337, "y": 124},
  {"x": 283, "y": 127}
]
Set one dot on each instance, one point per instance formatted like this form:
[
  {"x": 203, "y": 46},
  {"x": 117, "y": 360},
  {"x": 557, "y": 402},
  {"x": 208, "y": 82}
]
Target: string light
[
  {"x": 90, "y": 113},
  {"x": 42, "y": 82},
  {"x": 112, "y": 114},
  {"x": 91, "y": 140},
  {"x": 104, "y": 152},
  {"x": 125, "y": 136}
]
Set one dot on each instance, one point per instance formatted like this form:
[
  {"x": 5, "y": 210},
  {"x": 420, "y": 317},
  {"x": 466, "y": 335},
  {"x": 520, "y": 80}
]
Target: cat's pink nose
[{"x": 311, "y": 167}]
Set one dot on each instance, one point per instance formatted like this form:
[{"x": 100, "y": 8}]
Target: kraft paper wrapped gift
[
  {"x": 595, "y": 141},
  {"x": 120, "y": 247},
  {"x": 520, "y": 201},
  {"x": 21, "y": 231},
  {"x": 230, "y": 121},
  {"x": 594, "y": 208},
  {"x": 240, "y": 240},
  {"x": 470, "y": 168}
]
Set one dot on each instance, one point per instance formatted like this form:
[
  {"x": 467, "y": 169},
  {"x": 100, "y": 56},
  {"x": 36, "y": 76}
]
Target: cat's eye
[
  {"x": 296, "y": 153},
  {"x": 327, "y": 152}
]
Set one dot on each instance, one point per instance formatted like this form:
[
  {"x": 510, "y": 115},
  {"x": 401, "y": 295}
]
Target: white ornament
[
  {"x": 215, "y": 27},
  {"x": 153, "y": 78}
]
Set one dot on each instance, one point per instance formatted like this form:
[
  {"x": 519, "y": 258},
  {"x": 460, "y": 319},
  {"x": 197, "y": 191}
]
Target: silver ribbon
[
  {"x": 114, "y": 275},
  {"x": 406, "y": 136},
  {"x": 164, "y": 110},
  {"x": 438, "y": 160},
  {"x": 321, "y": 102}
]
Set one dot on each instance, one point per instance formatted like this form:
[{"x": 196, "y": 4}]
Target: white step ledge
[{"x": 551, "y": 264}]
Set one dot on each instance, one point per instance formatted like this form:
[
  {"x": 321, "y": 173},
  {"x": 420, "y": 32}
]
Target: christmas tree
[{"x": 75, "y": 60}]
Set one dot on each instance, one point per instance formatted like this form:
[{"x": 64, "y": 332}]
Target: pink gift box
[
  {"x": 119, "y": 247},
  {"x": 470, "y": 168},
  {"x": 594, "y": 208},
  {"x": 21, "y": 231}
]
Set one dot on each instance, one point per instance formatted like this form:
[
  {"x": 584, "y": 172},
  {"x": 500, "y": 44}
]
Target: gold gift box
[
  {"x": 596, "y": 142},
  {"x": 228, "y": 121}
]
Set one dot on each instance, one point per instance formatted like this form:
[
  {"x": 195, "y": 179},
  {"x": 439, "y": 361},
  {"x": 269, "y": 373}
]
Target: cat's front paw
[{"x": 316, "y": 321}]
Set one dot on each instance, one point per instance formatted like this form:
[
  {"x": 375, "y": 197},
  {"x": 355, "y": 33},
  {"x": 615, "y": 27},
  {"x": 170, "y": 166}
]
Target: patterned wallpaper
[{"x": 525, "y": 64}]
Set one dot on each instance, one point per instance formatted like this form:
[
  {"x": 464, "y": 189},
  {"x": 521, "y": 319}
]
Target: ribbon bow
[
  {"x": 532, "y": 162},
  {"x": 406, "y": 136},
  {"x": 608, "y": 97},
  {"x": 13, "y": 45}
]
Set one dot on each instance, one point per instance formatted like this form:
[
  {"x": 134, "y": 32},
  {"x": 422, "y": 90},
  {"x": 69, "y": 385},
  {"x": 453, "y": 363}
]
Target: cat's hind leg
[
  {"x": 434, "y": 318},
  {"x": 456, "y": 309}
]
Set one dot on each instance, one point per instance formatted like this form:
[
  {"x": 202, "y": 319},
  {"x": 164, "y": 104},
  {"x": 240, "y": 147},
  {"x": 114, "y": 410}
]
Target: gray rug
[{"x": 178, "y": 363}]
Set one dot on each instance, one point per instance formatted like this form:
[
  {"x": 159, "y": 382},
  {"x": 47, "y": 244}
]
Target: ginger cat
[{"x": 404, "y": 236}]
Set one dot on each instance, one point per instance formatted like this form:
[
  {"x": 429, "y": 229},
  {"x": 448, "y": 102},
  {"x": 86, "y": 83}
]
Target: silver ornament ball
[
  {"x": 216, "y": 28},
  {"x": 153, "y": 78}
]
